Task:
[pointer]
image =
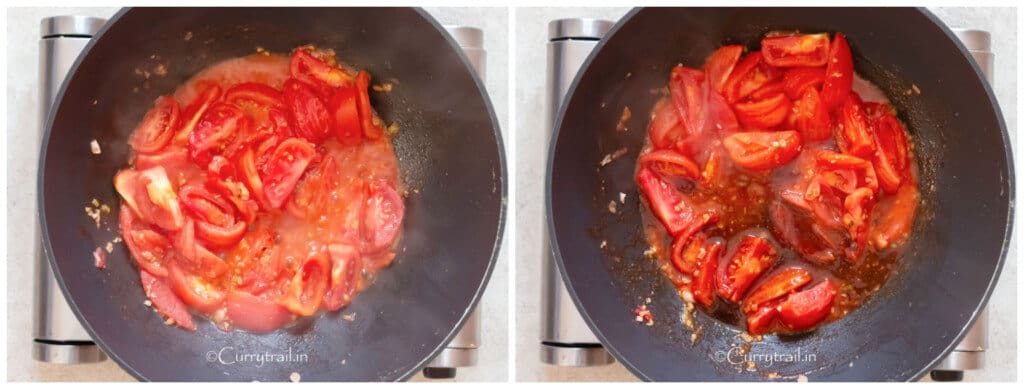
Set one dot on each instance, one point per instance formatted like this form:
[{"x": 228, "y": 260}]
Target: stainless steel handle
[
  {"x": 566, "y": 340},
  {"x": 58, "y": 337}
]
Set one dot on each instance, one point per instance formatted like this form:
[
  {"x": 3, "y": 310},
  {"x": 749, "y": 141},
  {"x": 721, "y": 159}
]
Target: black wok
[
  {"x": 953, "y": 259},
  {"x": 450, "y": 152}
]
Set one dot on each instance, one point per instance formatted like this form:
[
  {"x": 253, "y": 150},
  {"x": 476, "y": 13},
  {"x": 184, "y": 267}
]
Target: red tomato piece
[
  {"x": 665, "y": 127},
  {"x": 198, "y": 293},
  {"x": 345, "y": 269},
  {"x": 311, "y": 118},
  {"x": 307, "y": 287},
  {"x": 854, "y": 135},
  {"x": 720, "y": 64},
  {"x": 284, "y": 169},
  {"x": 251, "y": 175},
  {"x": 796, "y": 81},
  {"x": 749, "y": 75},
  {"x": 173, "y": 159},
  {"x": 704, "y": 277},
  {"x": 255, "y": 314},
  {"x": 893, "y": 217},
  {"x": 719, "y": 115},
  {"x": 775, "y": 287},
  {"x": 344, "y": 109},
  {"x": 157, "y": 127},
  {"x": 313, "y": 71},
  {"x": 768, "y": 90},
  {"x": 892, "y": 159},
  {"x": 686, "y": 253},
  {"x": 858, "y": 206},
  {"x": 763, "y": 150},
  {"x": 263, "y": 268},
  {"x": 810, "y": 117},
  {"x": 215, "y": 132},
  {"x": 795, "y": 50},
  {"x": 382, "y": 216},
  {"x": 861, "y": 169},
  {"x": 370, "y": 128},
  {"x": 195, "y": 258},
  {"x": 209, "y": 94},
  {"x": 838, "y": 73},
  {"x": 214, "y": 216},
  {"x": 254, "y": 94},
  {"x": 753, "y": 256},
  {"x": 761, "y": 320},
  {"x": 805, "y": 309},
  {"x": 674, "y": 209},
  {"x": 765, "y": 113},
  {"x": 150, "y": 194},
  {"x": 670, "y": 163},
  {"x": 159, "y": 292},
  {"x": 147, "y": 247},
  {"x": 687, "y": 87}
]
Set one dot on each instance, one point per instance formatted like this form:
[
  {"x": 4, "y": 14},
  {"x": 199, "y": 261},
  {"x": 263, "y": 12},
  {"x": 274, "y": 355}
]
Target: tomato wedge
[
  {"x": 749, "y": 75},
  {"x": 344, "y": 109},
  {"x": 761, "y": 320},
  {"x": 214, "y": 216},
  {"x": 284, "y": 169},
  {"x": 797, "y": 81},
  {"x": 796, "y": 50},
  {"x": 311, "y": 118},
  {"x": 687, "y": 88},
  {"x": 854, "y": 135},
  {"x": 838, "y": 73},
  {"x": 209, "y": 93},
  {"x": 763, "y": 150},
  {"x": 370, "y": 128},
  {"x": 263, "y": 268},
  {"x": 671, "y": 163},
  {"x": 159, "y": 292},
  {"x": 148, "y": 247},
  {"x": 382, "y": 217},
  {"x": 345, "y": 269},
  {"x": 858, "y": 206},
  {"x": 686, "y": 254},
  {"x": 313, "y": 71},
  {"x": 763, "y": 114},
  {"x": 150, "y": 194},
  {"x": 704, "y": 277},
  {"x": 255, "y": 314},
  {"x": 195, "y": 291},
  {"x": 753, "y": 256},
  {"x": 307, "y": 287},
  {"x": 674, "y": 209},
  {"x": 215, "y": 131},
  {"x": 157, "y": 127},
  {"x": 665, "y": 127},
  {"x": 805, "y": 309},
  {"x": 720, "y": 64},
  {"x": 254, "y": 94},
  {"x": 195, "y": 258},
  {"x": 892, "y": 159},
  {"x": 893, "y": 217},
  {"x": 775, "y": 287},
  {"x": 810, "y": 117}
]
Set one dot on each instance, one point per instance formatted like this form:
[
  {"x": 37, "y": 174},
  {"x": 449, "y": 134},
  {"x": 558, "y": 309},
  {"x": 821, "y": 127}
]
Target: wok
[
  {"x": 450, "y": 156},
  {"x": 951, "y": 263}
]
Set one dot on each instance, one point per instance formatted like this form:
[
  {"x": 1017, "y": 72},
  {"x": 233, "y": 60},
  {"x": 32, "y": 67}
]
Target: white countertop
[
  {"x": 531, "y": 145},
  {"x": 22, "y": 158}
]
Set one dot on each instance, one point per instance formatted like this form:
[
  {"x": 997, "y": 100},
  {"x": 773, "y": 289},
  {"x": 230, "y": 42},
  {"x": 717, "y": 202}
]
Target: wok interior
[
  {"x": 959, "y": 237},
  {"x": 449, "y": 155}
]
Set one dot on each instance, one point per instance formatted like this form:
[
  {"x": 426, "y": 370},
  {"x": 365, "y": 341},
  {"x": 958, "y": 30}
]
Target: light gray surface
[
  {"x": 23, "y": 147},
  {"x": 530, "y": 57}
]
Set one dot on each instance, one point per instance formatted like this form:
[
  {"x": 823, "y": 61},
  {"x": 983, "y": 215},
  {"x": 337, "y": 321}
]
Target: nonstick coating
[
  {"x": 954, "y": 257},
  {"x": 450, "y": 156}
]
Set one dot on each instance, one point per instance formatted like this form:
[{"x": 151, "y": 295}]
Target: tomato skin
[
  {"x": 308, "y": 285},
  {"x": 796, "y": 50},
  {"x": 797, "y": 81},
  {"x": 854, "y": 135},
  {"x": 344, "y": 109},
  {"x": 147, "y": 247},
  {"x": 775, "y": 287},
  {"x": 720, "y": 64},
  {"x": 686, "y": 86},
  {"x": 310, "y": 112},
  {"x": 345, "y": 269},
  {"x": 157, "y": 127},
  {"x": 255, "y": 314},
  {"x": 891, "y": 161},
  {"x": 665, "y": 127},
  {"x": 805, "y": 309},
  {"x": 838, "y": 73},
  {"x": 195, "y": 291},
  {"x": 670, "y": 163},
  {"x": 763, "y": 150},
  {"x": 209, "y": 94},
  {"x": 761, "y": 320},
  {"x": 214, "y": 216},
  {"x": 159, "y": 292},
  {"x": 371, "y": 130},
  {"x": 766, "y": 113},
  {"x": 810, "y": 117},
  {"x": 753, "y": 256},
  {"x": 284, "y": 168},
  {"x": 704, "y": 277},
  {"x": 382, "y": 216},
  {"x": 215, "y": 131}
]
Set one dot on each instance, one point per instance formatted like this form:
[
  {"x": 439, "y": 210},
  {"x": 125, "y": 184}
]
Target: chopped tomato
[
  {"x": 796, "y": 50},
  {"x": 284, "y": 168},
  {"x": 370, "y": 128},
  {"x": 254, "y": 313},
  {"x": 215, "y": 131},
  {"x": 344, "y": 110},
  {"x": 764, "y": 114},
  {"x": 254, "y": 94},
  {"x": 671, "y": 163},
  {"x": 382, "y": 216},
  {"x": 669, "y": 205},
  {"x": 686, "y": 253},
  {"x": 208, "y": 95},
  {"x": 720, "y": 116},
  {"x": 150, "y": 194},
  {"x": 307, "y": 287},
  {"x": 749, "y": 75},
  {"x": 893, "y": 217},
  {"x": 763, "y": 150},
  {"x": 313, "y": 71},
  {"x": 778, "y": 285},
  {"x": 753, "y": 256},
  {"x": 704, "y": 276},
  {"x": 214, "y": 216},
  {"x": 805, "y": 309},
  {"x": 854, "y": 136},
  {"x": 761, "y": 320},
  {"x": 157, "y": 127},
  {"x": 263, "y": 269},
  {"x": 311, "y": 118},
  {"x": 810, "y": 117},
  {"x": 165, "y": 301},
  {"x": 345, "y": 267},
  {"x": 720, "y": 64},
  {"x": 797, "y": 81},
  {"x": 195, "y": 258},
  {"x": 148, "y": 247},
  {"x": 861, "y": 169},
  {"x": 838, "y": 73},
  {"x": 195, "y": 291},
  {"x": 766, "y": 91},
  {"x": 665, "y": 127},
  {"x": 892, "y": 158},
  {"x": 687, "y": 88}
]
